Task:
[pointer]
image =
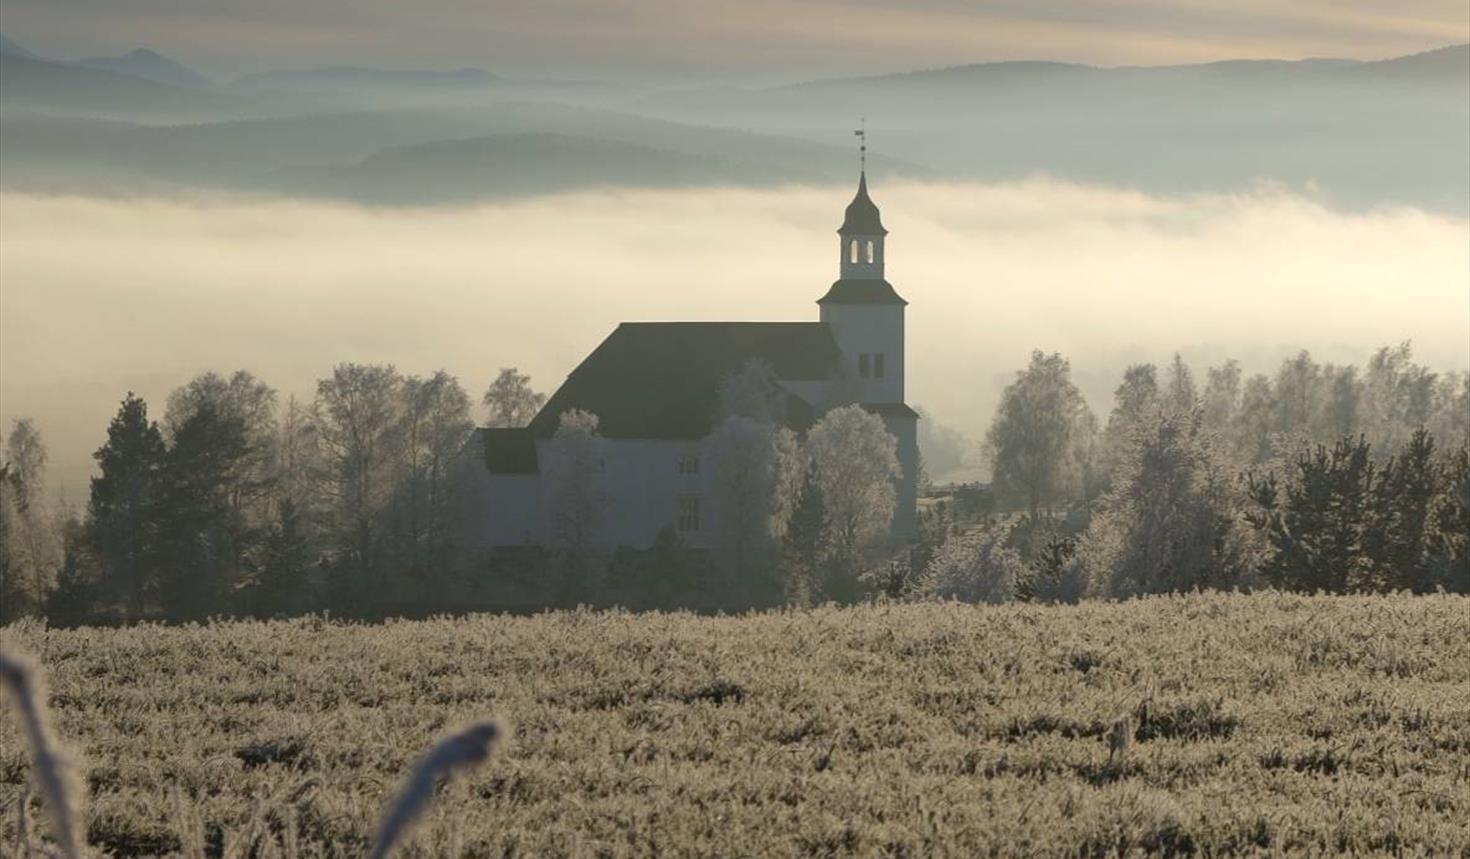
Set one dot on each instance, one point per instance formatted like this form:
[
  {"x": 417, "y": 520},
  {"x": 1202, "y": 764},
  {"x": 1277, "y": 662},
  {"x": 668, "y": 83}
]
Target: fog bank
[{"x": 100, "y": 296}]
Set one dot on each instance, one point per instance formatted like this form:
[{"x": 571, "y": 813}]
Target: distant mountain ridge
[
  {"x": 356, "y": 76},
  {"x": 1449, "y": 61},
  {"x": 11, "y": 49},
  {"x": 1353, "y": 133},
  {"x": 67, "y": 88},
  {"x": 150, "y": 65}
]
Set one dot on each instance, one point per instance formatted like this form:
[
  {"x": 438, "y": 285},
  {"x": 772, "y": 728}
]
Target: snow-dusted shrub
[{"x": 974, "y": 567}]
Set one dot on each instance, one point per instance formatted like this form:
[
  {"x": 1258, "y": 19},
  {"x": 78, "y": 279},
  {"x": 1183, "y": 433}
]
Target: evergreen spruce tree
[
  {"x": 123, "y": 507},
  {"x": 1447, "y": 562},
  {"x": 285, "y": 559},
  {"x": 73, "y": 600},
  {"x": 1402, "y": 500},
  {"x": 203, "y": 535},
  {"x": 1316, "y": 520},
  {"x": 802, "y": 548}
]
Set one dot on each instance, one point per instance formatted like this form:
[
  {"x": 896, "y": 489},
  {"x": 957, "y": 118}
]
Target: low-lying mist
[{"x": 102, "y": 296}]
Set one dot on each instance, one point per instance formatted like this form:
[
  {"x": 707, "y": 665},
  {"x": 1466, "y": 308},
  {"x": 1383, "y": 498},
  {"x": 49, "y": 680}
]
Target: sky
[
  {"x": 702, "y": 40},
  {"x": 171, "y": 287}
]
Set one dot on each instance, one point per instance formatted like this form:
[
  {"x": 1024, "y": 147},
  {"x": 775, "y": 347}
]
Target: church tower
[
  {"x": 863, "y": 310},
  {"x": 866, "y": 317}
]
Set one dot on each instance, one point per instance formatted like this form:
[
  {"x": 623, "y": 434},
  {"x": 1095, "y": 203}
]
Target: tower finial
[{"x": 862, "y": 135}]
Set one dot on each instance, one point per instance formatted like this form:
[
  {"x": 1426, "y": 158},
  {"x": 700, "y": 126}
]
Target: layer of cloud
[
  {"x": 98, "y": 297},
  {"x": 805, "y": 37}
]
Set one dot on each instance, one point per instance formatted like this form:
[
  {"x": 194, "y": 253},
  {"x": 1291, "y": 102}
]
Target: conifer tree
[
  {"x": 203, "y": 533},
  {"x": 1316, "y": 520},
  {"x": 123, "y": 507},
  {"x": 285, "y": 558}
]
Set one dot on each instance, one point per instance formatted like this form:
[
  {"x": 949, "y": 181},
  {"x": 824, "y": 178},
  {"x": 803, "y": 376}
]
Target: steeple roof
[{"x": 862, "y": 218}]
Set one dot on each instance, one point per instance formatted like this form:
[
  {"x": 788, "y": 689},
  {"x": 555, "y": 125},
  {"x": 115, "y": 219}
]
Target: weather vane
[{"x": 862, "y": 135}]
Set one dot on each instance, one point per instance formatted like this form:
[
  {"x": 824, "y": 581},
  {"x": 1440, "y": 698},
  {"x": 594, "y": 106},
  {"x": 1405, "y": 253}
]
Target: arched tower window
[
  {"x": 854, "y": 254},
  {"x": 870, "y": 251}
]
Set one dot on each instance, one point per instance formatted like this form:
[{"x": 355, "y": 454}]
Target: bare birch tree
[{"x": 510, "y": 399}]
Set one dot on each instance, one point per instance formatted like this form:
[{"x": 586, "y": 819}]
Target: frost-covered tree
[
  {"x": 29, "y": 546},
  {"x": 973, "y": 567},
  {"x": 435, "y": 427},
  {"x": 855, "y": 463},
  {"x": 1180, "y": 395},
  {"x": 1040, "y": 441},
  {"x": 1297, "y": 395},
  {"x": 242, "y": 399},
  {"x": 1252, "y": 429},
  {"x": 300, "y": 468},
  {"x": 1398, "y": 397},
  {"x": 1221, "y": 397},
  {"x": 1173, "y": 519},
  {"x": 359, "y": 430},
  {"x": 1135, "y": 401},
  {"x": 510, "y": 399},
  {"x": 1052, "y": 577},
  {"x": 1136, "y": 397},
  {"x": 759, "y": 469},
  {"x": 1451, "y": 421},
  {"x": 1340, "y": 399}
]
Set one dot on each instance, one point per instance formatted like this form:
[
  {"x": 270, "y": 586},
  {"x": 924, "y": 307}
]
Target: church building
[{"x": 654, "y": 387}]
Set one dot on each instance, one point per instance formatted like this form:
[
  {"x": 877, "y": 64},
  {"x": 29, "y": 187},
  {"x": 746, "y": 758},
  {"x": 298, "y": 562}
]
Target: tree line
[
  {"x": 1331, "y": 478},
  {"x": 355, "y": 502},
  {"x": 235, "y": 503}
]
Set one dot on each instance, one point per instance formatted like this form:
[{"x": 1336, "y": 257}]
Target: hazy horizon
[{"x": 684, "y": 42}]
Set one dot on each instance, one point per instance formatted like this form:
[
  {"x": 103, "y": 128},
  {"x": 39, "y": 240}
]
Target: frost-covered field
[{"x": 1263, "y": 724}]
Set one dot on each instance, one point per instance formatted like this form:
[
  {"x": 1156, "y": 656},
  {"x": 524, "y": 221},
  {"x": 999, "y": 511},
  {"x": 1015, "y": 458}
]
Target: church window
[
  {"x": 688, "y": 513},
  {"x": 865, "y": 365},
  {"x": 689, "y": 463},
  {"x": 853, "y": 255},
  {"x": 870, "y": 251},
  {"x": 878, "y": 365}
]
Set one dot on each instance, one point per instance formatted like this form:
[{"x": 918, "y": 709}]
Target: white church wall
[
  {"x": 871, "y": 329},
  {"x": 642, "y": 486},
  {"x": 495, "y": 510},
  {"x": 515, "y": 509}
]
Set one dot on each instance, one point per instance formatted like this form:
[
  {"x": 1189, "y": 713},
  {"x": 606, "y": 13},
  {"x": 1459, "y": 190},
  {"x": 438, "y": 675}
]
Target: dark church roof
[
  {"x": 660, "y": 380},
  {"x": 862, "y": 218},
  {"x": 861, "y": 291},
  {"x": 509, "y": 450}
]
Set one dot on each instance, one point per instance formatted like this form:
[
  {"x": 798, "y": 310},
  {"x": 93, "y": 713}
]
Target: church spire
[
  {"x": 862, "y": 217},
  {"x": 861, "y": 235}
]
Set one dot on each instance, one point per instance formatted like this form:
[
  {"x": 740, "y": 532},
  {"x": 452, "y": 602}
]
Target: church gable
[{"x": 660, "y": 380}]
